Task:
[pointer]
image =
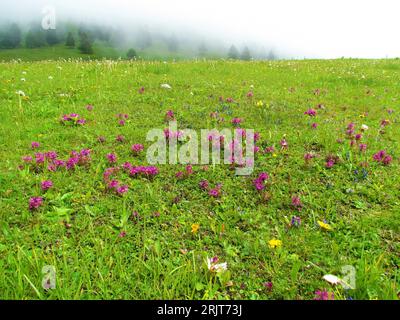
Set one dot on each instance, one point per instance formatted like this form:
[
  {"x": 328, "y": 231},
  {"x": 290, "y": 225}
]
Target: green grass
[
  {"x": 77, "y": 228},
  {"x": 58, "y": 52}
]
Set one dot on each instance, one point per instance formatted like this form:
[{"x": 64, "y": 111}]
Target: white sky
[{"x": 310, "y": 28}]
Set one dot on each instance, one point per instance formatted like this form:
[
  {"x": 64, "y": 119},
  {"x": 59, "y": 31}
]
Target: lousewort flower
[
  {"x": 236, "y": 121},
  {"x": 259, "y": 183},
  {"x": 120, "y": 138},
  {"x": 35, "y": 202},
  {"x": 137, "y": 148},
  {"x": 203, "y": 184},
  {"x": 46, "y": 185},
  {"x": 169, "y": 116},
  {"x": 122, "y": 189},
  {"x": 111, "y": 157},
  {"x": 324, "y": 295},
  {"x": 296, "y": 203},
  {"x": 35, "y": 144},
  {"x": 295, "y": 222},
  {"x": 311, "y": 112},
  {"x": 383, "y": 157}
]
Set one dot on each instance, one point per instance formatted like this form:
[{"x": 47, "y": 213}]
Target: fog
[{"x": 294, "y": 29}]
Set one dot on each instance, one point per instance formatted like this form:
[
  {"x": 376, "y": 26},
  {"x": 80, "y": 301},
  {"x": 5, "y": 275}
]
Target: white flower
[
  {"x": 23, "y": 79},
  {"x": 364, "y": 127},
  {"x": 23, "y": 72},
  {"x": 20, "y": 93},
  {"x": 50, "y": 78},
  {"x": 216, "y": 267},
  {"x": 165, "y": 86},
  {"x": 332, "y": 279}
]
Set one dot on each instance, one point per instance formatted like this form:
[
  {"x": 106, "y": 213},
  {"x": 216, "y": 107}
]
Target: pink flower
[
  {"x": 236, "y": 121},
  {"x": 121, "y": 122},
  {"x": 120, "y": 138},
  {"x": 250, "y": 94},
  {"x": 311, "y": 112},
  {"x": 46, "y": 185},
  {"x": 308, "y": 156},
  {"x": 324, "y": 295},
  {"x": 259, "y": 183},
  {"x": 203, "y": 184},
  {"x": 122, "y": 189},
  {"x": 111, "y": 157},
  {"x": 27, "y": 159},
  {"x": 284, "y": 144},
  {"x": 169, "y": 116},
  {"x": 35, "y": 145},
  {"x": 141, "y": 90},
  {"x": 362, "y": 147},
  {"x": 137, "y": 148},
  {"x": 384, "y": 123},
  {"x": 314, "y": 125},
  {"x": 113, "y": 184},
  {"x": 296, "y": 202},
  {"x": 35, "y": 202},
  {"x": 101, "y": 139},
  {"x": 89, "y": 107}
]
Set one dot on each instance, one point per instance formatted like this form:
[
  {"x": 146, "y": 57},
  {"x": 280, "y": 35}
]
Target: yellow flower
[
  {"x": 325, "y": 226},
  {"x": 274, "y": 155},
  {"x": 195, "y": 227},
  {"x": 260, "y": 103},
  {"x": 274, "y": 243}
]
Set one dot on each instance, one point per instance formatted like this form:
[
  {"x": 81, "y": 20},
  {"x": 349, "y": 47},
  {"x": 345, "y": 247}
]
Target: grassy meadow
[{"x": 330, "y": 199}]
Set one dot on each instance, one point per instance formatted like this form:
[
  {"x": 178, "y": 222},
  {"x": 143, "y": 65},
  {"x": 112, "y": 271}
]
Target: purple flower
[
  {"x": 40, "y": 157},
  {"x": 314, "y": 125},
  {"x": 89, "y": 107},
  {"x": 111, "y": 157},
  {"x": 46, "y": 185},
  {"x": 236, "y": 121},
  {"x": 296, "y": 202},
  {"x": 141, "y": 90},
  {"x": 35, "y": 202},
  {"x": 35, "y": 144},
  {"x": 121, "y": 122},
  {"x": 284, "y": 144},
  {"x": 259, "y": 182},
  {"x": 203, "y": 184},
  {"x": 295, "y": 222},
  {"x": 169, "y": 116},
  {"x": 137, "y": 148},
  {"x": 324, "y": 295},
  {"x": 250, "y": 94},
  {"x": 120, "y": 138},
  {"x": 122, "y": 189},
  {"x": 215, "y": 193},
  {"x": 311, "y": 112},
  {"x": 51, "y": 155},
  {"x": 362, "y": 147},
  {"x": 113, "y": 184},
  {"x": 27, "y": 159}
]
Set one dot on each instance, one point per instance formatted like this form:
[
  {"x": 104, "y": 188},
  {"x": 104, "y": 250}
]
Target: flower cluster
[
  {"x": 72, "y": 119},
  {"x": 35, "y": 202},
  {"x": 137, "y": 148},
  {"x": 259, "y": 183},
  {"x": 383, "y": 157},
  {"x": 311, "y": 112}
]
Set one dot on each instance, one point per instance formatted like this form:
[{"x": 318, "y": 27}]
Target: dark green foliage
[
  {"x": 70, "y": 40},
  {"x": 245, "y": 54},
  {"x": 11, "y": 38},
  {"x": 85, "y": 44},
  {"x": 131, "y": 54},
  {"x": 233, "y": 53}
]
